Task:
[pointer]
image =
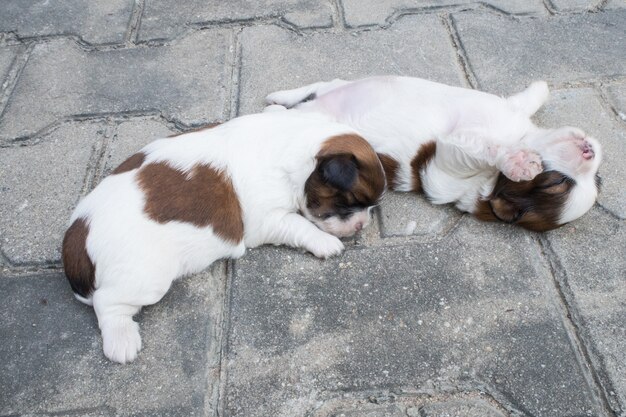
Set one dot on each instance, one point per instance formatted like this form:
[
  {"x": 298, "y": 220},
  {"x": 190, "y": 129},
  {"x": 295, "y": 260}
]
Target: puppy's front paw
[
  {"x": 121, "y": 340},
  {"x": 325, "y": 246},
  {"x": 522, "y": 165}
]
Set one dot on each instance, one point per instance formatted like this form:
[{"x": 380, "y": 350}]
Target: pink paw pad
[{"x": 523, "y": 166}]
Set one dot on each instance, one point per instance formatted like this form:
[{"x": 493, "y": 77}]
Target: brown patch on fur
[
  {"x": 203, "y": 196},
  {"x": 132, "y": 162},
  {"x": 425, "y": 153},
  {"x": 390, "y": 166},
  {"x": 535, "y": 205},
  {"x": 199, "y": 129},
  {"x": 79, "y": 269},
  {"x": 325, "y": 198}
]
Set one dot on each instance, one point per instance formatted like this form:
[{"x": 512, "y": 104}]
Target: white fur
[
  {"x": 477, "y": 134},
  {"x": 268, "y": 158}
]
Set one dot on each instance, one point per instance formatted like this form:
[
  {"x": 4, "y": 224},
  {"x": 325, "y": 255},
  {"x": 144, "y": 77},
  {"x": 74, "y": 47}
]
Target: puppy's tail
[
  {"x": 530, "y": 100},
  {"x": 88, "y": 301},
  {"x": 79, "y": 268}
]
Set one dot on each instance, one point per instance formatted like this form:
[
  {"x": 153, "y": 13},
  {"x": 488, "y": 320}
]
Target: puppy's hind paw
[
  {"x": 325, "y": 247},
  {"x": 120, "y": 339},
  {"x": 522, "y": 165},
  {"x": 273, "y": 107},
  {"x": 286, "y": 98}
]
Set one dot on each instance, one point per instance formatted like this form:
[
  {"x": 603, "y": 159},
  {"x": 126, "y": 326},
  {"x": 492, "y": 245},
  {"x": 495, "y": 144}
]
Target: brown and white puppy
[
  {"x": 457, "y": 145},
  {"x": 181, "y": 203}
]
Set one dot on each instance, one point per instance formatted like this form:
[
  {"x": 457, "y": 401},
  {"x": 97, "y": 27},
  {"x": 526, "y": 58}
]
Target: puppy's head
[
  {"x": 564, "y": 191},
  {"x": 348, "y": 180}
]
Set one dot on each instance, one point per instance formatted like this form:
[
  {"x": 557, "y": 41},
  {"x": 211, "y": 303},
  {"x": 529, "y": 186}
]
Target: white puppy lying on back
[
  {"x": 464, "y": 146},
  {"x": 181, "y": 203}
]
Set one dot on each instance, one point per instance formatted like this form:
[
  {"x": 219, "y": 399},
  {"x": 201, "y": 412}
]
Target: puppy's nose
[
  {"x": 587, "y": 149},
  {"x": 358, "y": 226}
]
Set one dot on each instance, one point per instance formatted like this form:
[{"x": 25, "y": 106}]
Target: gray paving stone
[
  {"x": 425, "y": 404},
  {"x": 460, "y": 408},
  {"x": 376, "y": 411},
  {"x": 475, "y": 310},
  {"x": 275, "y": 59},
  {"x": 593, "y": 255},
  {"x": 131, "y": 136},
  {"x": 376, "y": 12},
  {"x": 165, "y": 19},
  {"x": 51, "y": 357},
  {"x": 39, "y": 186},
  {"x": 573, "y": 5},
  {"x": 188, "y": 80},
  {"x": 89, "y": 412},
  {"x": 615, "y": 4},
  {"x": 406, "y": 214},
  {"x": 94, "y": 21},
  {"x": 506, "y": 54},
  {"x": 7, "y": 55},
  {"x": 617, "y": 97},
  {"x": 582, "y": 108}
]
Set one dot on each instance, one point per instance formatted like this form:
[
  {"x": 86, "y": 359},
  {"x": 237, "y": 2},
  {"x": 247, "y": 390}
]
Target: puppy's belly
[{"x": 198, "y": 247}]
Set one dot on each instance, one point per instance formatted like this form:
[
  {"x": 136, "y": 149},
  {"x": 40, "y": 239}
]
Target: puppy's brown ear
[
  {"x": 341, "y": 171},
  {"x": 505, "y": 210}
]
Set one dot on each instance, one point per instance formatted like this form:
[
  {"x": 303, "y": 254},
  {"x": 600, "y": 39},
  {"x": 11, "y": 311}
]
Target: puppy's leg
[
  {"x": 118, "y": 301},
  {"x": 465, "y": 153},
  {"x": 519, "y": 164},
  {"x": 290, "y": 98},
  {"x": 530, "y": 100},
  {"x": 294, "y": 230},
  {"x": 120, "y": 333}
]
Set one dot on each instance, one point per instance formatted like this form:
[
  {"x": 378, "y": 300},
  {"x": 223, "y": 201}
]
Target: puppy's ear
[
  {"x": 341, "y": 171},
  {"x": 505, "y": 210}
]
